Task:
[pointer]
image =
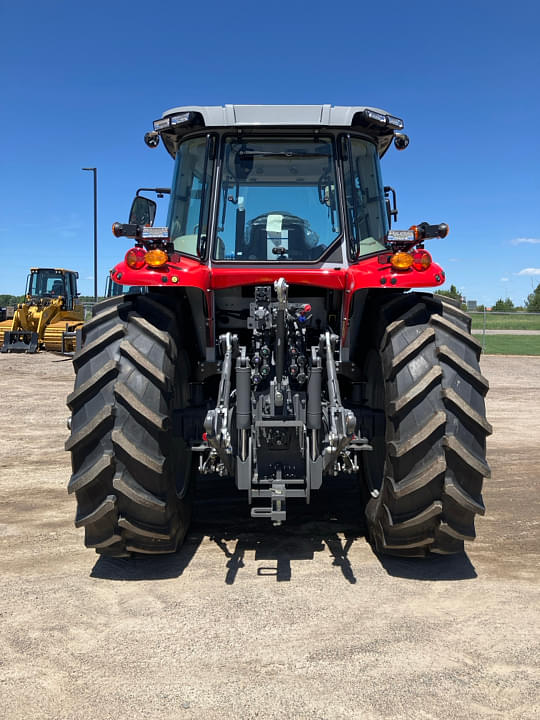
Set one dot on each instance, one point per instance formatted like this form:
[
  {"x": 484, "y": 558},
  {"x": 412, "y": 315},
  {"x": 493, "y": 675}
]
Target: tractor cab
[
  {"x": 47, "y": 284},
  {"x": 305, "y": 196},
  {"x": 297, "y": 190}
]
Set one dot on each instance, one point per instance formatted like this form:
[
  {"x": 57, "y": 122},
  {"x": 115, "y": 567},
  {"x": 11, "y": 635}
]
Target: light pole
[{"x": 94, "y": 170}]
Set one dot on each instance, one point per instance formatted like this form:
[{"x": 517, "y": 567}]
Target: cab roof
[
  {"x": 375, "y": 122},
  {"x": 58, "y": 270}
]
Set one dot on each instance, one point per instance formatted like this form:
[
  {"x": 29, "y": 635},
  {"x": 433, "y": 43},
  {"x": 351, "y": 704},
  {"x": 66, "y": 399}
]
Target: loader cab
[{"x": 46, "y": 284}]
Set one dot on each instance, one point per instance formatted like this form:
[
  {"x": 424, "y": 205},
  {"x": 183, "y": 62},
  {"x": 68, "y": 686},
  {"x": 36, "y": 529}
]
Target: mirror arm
[
  {"x": 158, "y": 190},
  {"x": 393, "y": 211}
]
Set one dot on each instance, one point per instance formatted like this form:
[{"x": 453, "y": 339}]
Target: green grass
[
  {"x": 511, "y": 344},
  {"x": 512, "y": 321}
]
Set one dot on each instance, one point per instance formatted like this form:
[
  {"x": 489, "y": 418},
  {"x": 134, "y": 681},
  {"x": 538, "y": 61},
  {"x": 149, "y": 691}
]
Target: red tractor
[{"x": 279, "y": 342}]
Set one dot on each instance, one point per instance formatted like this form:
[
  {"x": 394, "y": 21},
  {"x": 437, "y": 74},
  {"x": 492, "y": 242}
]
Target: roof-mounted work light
[
  {"x": 395, "y": 122},
  {"x": 161, "y": 124},
  {"x": 373, "y": 117},
  {"x": 182, "y": 118},
  {"x": 172, "y": 120}
]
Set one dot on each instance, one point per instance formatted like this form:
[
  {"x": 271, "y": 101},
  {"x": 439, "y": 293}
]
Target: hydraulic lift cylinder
[
  {"x": 314, "y": 407},
  {"x": 243, "y": 396}
]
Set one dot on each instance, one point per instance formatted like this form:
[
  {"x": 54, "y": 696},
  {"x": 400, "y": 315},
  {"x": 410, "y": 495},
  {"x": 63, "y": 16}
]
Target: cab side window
[
  {"x": 364, "y": 197},
  {"x": 190, "y": 203}
]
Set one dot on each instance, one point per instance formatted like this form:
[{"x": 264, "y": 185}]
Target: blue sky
[{"x": 82, "y": 83}]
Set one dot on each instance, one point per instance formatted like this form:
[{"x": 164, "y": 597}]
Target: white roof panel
[{"x": 232, "y": 115}]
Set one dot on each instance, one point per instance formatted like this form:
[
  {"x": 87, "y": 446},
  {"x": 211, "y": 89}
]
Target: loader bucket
[{"x": 20, "y": 341}]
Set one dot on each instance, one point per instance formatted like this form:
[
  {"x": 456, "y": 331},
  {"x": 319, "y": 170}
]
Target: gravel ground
[{"x": 247, "y": 621}]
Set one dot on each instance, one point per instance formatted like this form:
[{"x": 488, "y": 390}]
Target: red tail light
[
  {"x": 135, "y": 258},
  {"x": 421, "y": 260}
]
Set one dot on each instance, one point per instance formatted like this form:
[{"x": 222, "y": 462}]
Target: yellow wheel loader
[{"x": 50, "y": 317}]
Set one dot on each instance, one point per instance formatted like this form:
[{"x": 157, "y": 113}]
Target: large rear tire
[
  {"x": 426, "y": 472},
  {"x": 131, "y": 475}
]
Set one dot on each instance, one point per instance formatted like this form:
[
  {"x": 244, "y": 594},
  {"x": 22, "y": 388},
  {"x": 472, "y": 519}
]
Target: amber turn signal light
[
  {"x": 117, "y": 229},
  {"x": 401, "y": 261},
  {"x": 416, "y": 232},
  {"x": 135, "y": 258},
  {"x": 156, "y": 258}
]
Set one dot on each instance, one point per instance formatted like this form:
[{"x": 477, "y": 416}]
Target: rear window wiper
[{"x": 282, "y": 153}]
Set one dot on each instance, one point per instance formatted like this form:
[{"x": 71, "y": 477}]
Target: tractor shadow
[
  {"x": 332, "y": 523},
  {"x": 435, "y": 567}
]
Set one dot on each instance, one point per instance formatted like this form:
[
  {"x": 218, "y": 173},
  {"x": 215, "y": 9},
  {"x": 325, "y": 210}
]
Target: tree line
[
  {"x": 6, "y": 299},
  {"x": 532, "y": 303},
  {"x": 11, "y": 299}
]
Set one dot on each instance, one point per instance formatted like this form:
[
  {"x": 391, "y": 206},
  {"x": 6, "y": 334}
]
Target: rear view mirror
[{"x": 143, "y": 211}]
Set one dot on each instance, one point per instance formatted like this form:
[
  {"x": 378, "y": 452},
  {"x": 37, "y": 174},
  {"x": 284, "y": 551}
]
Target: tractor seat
[{"x": 260, "y": 245}]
